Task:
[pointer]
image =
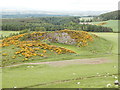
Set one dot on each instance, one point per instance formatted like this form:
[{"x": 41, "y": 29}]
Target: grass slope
[
  {"x": 99, "y": 47},
  {"x": 22, "y": 76},
  {"x": 113, "y": 38}
]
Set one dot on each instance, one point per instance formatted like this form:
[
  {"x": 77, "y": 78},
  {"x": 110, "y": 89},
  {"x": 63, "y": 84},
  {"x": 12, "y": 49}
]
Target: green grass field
[
  {"x": 111, "y": 23},
  {"x": 69, "y": 76},
  {"x": 33, "y": 77},
  {"x": 7, "y": 33}
]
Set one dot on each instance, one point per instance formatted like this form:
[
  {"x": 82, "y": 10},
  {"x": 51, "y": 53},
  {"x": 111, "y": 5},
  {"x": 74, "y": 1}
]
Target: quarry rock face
[{"x": 61, "y": 38}]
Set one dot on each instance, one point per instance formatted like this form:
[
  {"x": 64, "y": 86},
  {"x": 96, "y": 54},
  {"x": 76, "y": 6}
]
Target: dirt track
[{"x": 68, "y": 62}]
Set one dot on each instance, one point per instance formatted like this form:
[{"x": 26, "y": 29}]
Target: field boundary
[{"x": 67, "y": 80}]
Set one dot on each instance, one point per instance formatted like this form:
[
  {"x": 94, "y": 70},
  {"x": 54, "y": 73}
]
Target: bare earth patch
[
  {"x": 78, "y": 61},
  {"x": 69, "y": 62}
]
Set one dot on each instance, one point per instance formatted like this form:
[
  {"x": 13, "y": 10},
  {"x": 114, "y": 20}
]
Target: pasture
[
  {"x": 67, "y": 76},
  {"x": 110, "y": 23},
  {"x": 70, "y": 75}
]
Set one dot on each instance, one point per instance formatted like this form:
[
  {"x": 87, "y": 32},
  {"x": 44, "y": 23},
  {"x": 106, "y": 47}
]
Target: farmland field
[
  {"x": 70, "y": 75},
  {"x": 110, "y": 23}
]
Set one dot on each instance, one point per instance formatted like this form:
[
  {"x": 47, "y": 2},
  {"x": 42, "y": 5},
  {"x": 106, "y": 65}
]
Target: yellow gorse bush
[
  {"x": 35, "y": 47},
  {"x": 31, "y": 48}
]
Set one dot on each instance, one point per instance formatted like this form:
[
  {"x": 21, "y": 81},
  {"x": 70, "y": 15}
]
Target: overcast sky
[{"x": 60, "y": 5}]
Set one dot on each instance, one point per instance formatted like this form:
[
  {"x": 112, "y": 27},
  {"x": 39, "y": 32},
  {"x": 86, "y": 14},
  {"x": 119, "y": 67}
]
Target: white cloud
[{"x": 80, "y": 5}]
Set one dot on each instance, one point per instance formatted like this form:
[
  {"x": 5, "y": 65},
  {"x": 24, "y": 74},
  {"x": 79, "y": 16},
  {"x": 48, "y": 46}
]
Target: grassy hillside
[
  {"x": 68, "y": 76},
  {"x": 109, "y": 16},
  {"x": 34, "y": 51},
  {"x": 113, "y": 38},
  {"x": 110, "y": 23}
]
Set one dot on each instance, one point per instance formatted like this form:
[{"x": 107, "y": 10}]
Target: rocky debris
[{"x": 61, "y": 38}]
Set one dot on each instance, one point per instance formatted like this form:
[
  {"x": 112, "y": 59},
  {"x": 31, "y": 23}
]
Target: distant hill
[
  {"x": 114, "y": 15},
  {"x": 28, "y": 15},
  {"x": 39, "y": 13}
]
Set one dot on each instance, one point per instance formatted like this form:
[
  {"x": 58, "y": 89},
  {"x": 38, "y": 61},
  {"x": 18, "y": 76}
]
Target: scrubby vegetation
[{"x": 31, "y": 44}]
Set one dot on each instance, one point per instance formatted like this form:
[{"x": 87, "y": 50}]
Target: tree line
[{"x": 50, "y": 24}]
